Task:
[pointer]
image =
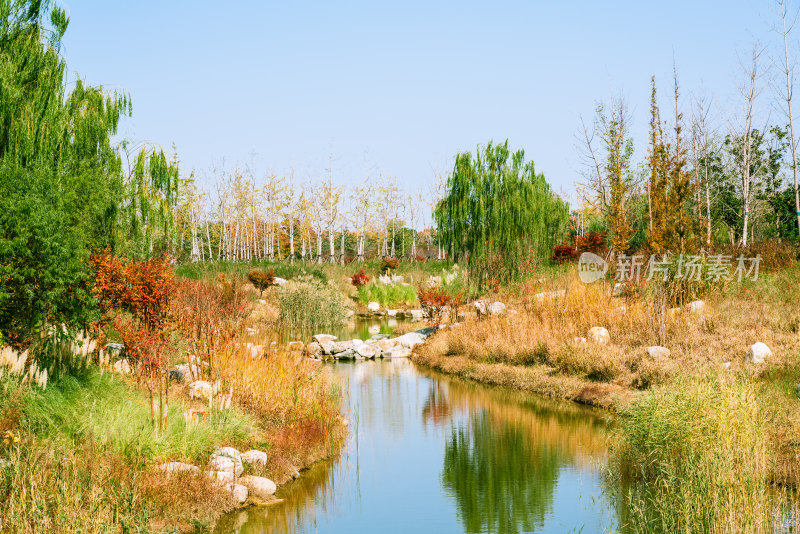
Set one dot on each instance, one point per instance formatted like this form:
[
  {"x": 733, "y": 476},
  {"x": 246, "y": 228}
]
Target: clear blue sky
[{"x": 398, "y": 87}]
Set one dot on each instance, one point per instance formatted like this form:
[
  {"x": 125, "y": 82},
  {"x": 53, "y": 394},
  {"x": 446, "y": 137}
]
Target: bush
[
  {"x": 309, "y": 306},
  {"x": 435, "y": 303},
  {"x": 563, "y": 253},
  {"x": 359, "y": 279},
  {"x": 388, "y": 264},
  {"x": 594, "y": 242},
  {"x": 261, "y": 280}
]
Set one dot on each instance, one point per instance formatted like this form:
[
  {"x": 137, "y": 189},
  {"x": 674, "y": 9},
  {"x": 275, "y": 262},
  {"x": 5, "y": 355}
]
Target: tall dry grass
[{"x": 696, "y": 457}]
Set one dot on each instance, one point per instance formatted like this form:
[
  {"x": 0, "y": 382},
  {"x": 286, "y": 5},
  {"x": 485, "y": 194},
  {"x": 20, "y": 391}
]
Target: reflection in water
[
  {"x": 502, "y": 482},
  {"x": 433, "y": 454}
]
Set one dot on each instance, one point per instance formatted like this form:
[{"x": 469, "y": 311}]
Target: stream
[{"x": 431, "y": 453}]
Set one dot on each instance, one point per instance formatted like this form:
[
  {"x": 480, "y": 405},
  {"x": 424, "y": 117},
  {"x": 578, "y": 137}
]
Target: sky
[{"x": 398, "y": 88}]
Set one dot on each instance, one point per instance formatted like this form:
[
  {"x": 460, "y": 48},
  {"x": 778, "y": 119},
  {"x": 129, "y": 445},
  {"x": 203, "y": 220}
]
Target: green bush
[
  {"x": 309, "y": 306},
  {"x": 387, "y": 294}
]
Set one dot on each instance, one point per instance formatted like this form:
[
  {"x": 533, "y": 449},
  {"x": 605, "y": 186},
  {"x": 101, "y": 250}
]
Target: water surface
[{"x": 429, "y": 453}]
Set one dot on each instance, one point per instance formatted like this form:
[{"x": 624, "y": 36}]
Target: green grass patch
[
  {"x": 114, "y": 416},
  {"x": 387, "y": 294}
]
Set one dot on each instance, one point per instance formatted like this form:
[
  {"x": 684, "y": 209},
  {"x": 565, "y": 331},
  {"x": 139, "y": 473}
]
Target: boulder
[
  {"x": 239, "y": 493},
  {"x": 356, "y": 342},
  {"x": 373, "y": 307},
  {"x": 179, "y": 467},
  {"x": 599, "y": 335},
  {"x": 227, "y": 459},
  {"x": 201, "y": 389},
  {"x": 342, "y": 346},
  {"x": 657, "y": 353},
  {"x": 481, "y": 307},
  {"x": 397, "y": 352},
  {"x": 176, "y": 375},
  {"x": 122, "y": 366},
  {"x": 416, "y": 315},
  {"x": 497, "y": 308},
  {"x": 758, "y": 352},
  {"x": 314, "y": 348},
  {"x": 255, "y": 457},
  {"x": 410, "y": 340},
  {"x": 114, "y": 348},
  {"x": 279, "y": 281},
  {"x": 391, "y": 313},
  {"x": 697, "y": 306},
  {"x": 348, "y": 354},
  {"x": 328, "y": 347},
  {"x": 319, "y": 338},
  {"x": 295, "y": 345},
  {"x": 259, "y": 486},
  {"x": 378, "y": 337},
  {"x": 366, "y": 351},
  {"x": 386, "y": 344}
]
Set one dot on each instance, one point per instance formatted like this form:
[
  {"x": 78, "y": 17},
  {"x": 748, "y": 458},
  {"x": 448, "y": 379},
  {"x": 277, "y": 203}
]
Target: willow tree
[{"x": 497, "y": 211}]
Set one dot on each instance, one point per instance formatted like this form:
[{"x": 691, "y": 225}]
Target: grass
[
  {"x": 696, "y": 456},
  {"x": 388, "y": 295},
  {"x": 85, "y": 453}
]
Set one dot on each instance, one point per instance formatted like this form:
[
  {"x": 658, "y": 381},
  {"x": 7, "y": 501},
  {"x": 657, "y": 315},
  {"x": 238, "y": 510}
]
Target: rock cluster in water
[{"x": 328, "y": 347}]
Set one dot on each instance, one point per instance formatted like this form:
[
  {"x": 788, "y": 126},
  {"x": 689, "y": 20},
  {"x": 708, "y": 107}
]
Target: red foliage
[
  {"x": 388, "y": 264},
  {"x": 134, "y": 298},
  {"x": 563, "y": 253},
  {"x": 592, "y": 242},
  {"x": 359, "y": 279},
  {"x": 435, "y": 303}
]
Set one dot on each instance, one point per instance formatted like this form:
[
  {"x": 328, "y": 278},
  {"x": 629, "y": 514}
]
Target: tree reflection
[{"x": 502, "y": 481}]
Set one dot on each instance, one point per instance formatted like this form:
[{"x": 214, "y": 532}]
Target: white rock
[
  {"x": 410, "y": 340},
  {"x": 255, "y": 457},
  {"x": 726, "y": 365},
  {"x": 201, "y": 389},
  {"x": 366, "y": 351},
  {"x": 549, "y": 295},
  {"x": 697, "y": 306},
  {"x": 398, "y": 352},
  {"x": 259, "y": 486},
  {"x": 122, "y": 366},
  {"x": 373, "y": 306},
  {"x": 658, "y": 353},
  {"x": 391, "y": 313},
  {"x": 497, "y": 308},
  {"x": 280, "y": 281},
  {"x": 599, "y": 335},
  {"x": 295, "y": 345},
  {"x": 579, "y": 340},
  {"x": 481, "y": 307},
  {"x": 416, "y": 315},
  {"x": 328, "y": 347},
  {"x": 179, "y": 467},
  {"x": 239, "y": 493},
  {"x": 374, "y": 329},
  {"x": 356, "y": 342},
  {"x": 319, "y": 338},
  {"x": 227, "y": 459},
  {"x": 758, "y": 352}
]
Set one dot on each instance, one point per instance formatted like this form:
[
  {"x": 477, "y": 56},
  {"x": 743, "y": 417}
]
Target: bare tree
[
  {"x": 750, "y": 90},
  {"x": 701, "y": 144},
  {"x": 786, "y": 66}
]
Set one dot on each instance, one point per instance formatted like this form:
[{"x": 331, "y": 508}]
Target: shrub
[
  {"x": 261, "y": 280},
  {"x": 359, "y": 279},
  {"x": 388, "y": 264},
  {"x": 564, "y": 253},
  {"x": 591, "y": 242},
  {"x": 308, "y": 306},
  {"x": 435, "y": 303}
]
